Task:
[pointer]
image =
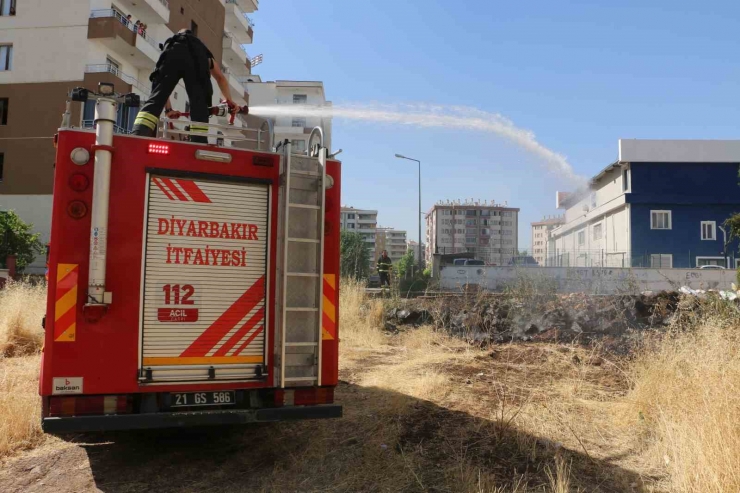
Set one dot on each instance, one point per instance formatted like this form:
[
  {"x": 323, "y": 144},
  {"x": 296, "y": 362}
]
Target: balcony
[
  {"x": 122, "y": 83},
  {"x": 248, "y": 6},
  {"x": 239, "y": 23},
  {"x": 111, "y": 29},
  {"x": 234, "y": 55},
  {"x": 238, "y": 90},
  {"x": 147, "y": 11}
]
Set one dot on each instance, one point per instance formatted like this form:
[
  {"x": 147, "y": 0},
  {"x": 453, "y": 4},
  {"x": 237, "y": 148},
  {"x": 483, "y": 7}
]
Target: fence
[{"x": 597, "y": 258}]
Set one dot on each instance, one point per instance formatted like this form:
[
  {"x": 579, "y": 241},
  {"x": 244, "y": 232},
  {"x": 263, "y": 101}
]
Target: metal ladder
[{"x": 304, "y": 180}]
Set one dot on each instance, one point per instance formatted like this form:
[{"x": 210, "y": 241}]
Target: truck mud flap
[{"x": 79, "y": 424}]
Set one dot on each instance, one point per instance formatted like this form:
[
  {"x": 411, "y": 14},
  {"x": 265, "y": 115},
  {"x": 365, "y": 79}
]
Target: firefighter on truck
[{"x": 186, "y": 57}]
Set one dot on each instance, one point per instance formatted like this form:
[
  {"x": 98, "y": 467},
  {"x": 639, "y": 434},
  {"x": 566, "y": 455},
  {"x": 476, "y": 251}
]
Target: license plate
[{"x": 219, "y": 398}]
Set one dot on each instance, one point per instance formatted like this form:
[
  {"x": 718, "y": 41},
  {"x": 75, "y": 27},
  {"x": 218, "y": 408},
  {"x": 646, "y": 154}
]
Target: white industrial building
[{"x": 48, "y": 48}]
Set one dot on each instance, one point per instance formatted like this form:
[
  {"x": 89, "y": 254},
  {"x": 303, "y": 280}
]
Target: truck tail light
[
  {"x": 77, "y": 209},
  {"x": 309, "y": 396},
  {"x": 93, "y": 404},
  {"x": 163, "y": 149},
  {"x": 79, "y": 182}
]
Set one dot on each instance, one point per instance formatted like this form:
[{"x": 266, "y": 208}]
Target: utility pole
[{"x": 419, "y": 163}]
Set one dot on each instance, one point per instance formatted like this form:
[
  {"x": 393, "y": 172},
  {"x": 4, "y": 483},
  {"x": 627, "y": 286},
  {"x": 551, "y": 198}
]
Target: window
[
  {"x": 581, "y": 238},
  {"x": 470, "y": 240},
  {"x": 485, "y": 212},
  {"x": 187, "y": 106},
  {"x": 300, "y": 99},
  {"x": 660, "y": 219},
  {"x": 708, "y": 230},
  {"x": 597, "y": 231},
  {"x": 298, "y": 122},
  {"x": 6, "y": 57},
  {"x": 485, "y": 231},
  {"x": 470, "y": 222},
  {"x": 350, "y": 216},
  {"x": 661, "y": 261},
  {"x": 7, "y": 7},
  {"x": 711, "y": 261},
  {"x": 351, "y": 226},
  {"x": 3, "y": 111},
  {"x": 298, "y": 146},
  {"x": 194, "y": 27},
  {"x": 2, "y": 161},
  {"x": 626, "y": 180},
  {"x": 470, "y": 212}
]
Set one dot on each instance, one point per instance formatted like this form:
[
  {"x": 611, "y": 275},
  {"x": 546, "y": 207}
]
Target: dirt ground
[{"x": 422, "y": 413}]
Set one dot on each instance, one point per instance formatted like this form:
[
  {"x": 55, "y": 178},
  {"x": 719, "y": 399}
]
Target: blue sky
[{"x": 579, "y": 76}]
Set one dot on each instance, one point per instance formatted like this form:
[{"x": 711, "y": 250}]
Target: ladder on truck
[{"x": 304, "y": 181}]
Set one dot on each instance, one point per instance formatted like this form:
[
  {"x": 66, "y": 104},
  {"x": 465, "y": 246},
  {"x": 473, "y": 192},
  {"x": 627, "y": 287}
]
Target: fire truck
[{"x": 189, "y": 284}]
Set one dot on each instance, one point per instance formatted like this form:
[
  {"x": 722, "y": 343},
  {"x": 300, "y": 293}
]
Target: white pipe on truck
[{"x": 105, "y": 117}]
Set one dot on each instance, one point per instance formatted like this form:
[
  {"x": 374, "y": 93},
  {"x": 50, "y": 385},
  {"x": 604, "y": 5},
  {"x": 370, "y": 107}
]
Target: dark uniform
[
  {"x": 184, "y": 57},
  {"x": 384, "y": 269}
]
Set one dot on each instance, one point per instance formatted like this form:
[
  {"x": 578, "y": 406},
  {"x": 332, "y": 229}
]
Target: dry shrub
[
  {"x": 687, "y": 397},
  {"x": 22, "y": 306},
  {"x": 360, "y": 317},
  {"x": 20, "y": 408}
]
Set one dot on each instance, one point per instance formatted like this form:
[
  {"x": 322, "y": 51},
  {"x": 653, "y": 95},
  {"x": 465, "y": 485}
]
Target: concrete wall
[{"x": 590, "y": 280}]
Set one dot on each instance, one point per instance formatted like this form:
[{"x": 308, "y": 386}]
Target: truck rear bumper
[{"x": 78, "y": 424}]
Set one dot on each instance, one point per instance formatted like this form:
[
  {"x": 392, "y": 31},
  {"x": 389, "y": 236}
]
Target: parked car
[
  {"x": 459, "y": 261},
  {"x": 711, "y": 267},
  {"x": 474, "y": 262},
  {"x": 524, "y": 261}
]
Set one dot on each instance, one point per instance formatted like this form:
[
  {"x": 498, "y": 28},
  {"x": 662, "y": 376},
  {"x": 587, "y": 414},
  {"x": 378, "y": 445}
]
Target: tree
[
  {"x": 405, "y": 264},
  {"x": 17, "y": 239},
  {"x": 355, "y": 257}
]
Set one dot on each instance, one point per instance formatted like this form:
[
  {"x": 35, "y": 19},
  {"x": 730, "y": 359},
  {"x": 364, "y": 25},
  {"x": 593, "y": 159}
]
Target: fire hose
[{"x": 222, "y": 109}]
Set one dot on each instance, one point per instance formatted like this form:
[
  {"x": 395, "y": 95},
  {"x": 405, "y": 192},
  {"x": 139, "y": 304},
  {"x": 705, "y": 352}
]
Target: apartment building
[
  {"x": 489, "y": 230},
  {"x": 540, "y": 235},
  {"x": 48, "y": 48},
  {"x": 363, "y": 221},
  {"x": 661, "y": 204},
  {"x": 392, "y": 240},
  {"x": 308, "y": 95}
]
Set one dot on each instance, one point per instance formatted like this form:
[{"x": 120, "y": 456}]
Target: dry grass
[
  {"x": 687, "y": 398},
  {"x": 498, "y": 412},
  {"x": 22, "y": 306},
  {"x": 360, "y": 318},
  {"x": 20, "y": 426}
]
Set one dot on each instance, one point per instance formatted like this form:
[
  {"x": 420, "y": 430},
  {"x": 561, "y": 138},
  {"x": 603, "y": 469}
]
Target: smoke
[{"x": 421, "y": 115}]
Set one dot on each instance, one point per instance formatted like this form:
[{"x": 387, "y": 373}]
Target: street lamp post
[{"x": 419, "y": 163}]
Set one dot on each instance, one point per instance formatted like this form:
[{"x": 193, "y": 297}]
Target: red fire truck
[{"x": 189, "y": 284}]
